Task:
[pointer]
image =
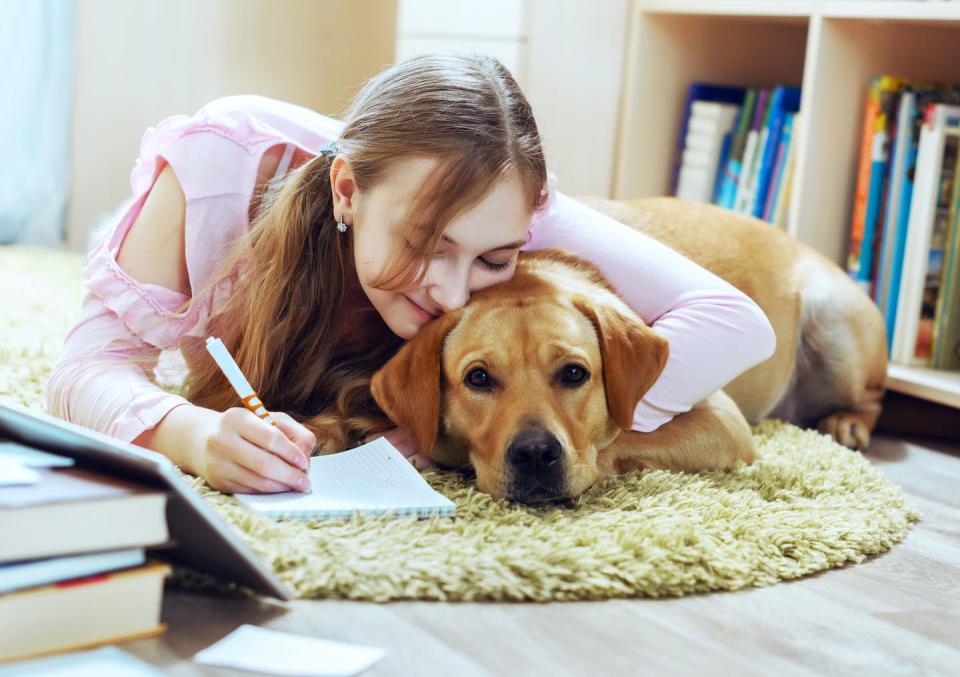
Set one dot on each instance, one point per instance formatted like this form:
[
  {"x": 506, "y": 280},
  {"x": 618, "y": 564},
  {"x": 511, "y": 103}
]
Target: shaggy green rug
[{"x": 807, "y": 505}]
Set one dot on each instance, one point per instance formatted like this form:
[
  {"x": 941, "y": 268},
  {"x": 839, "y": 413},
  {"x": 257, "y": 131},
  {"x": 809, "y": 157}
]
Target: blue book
[
  {"x": 785, "y": 100},
  {"x": 779, "y": 169},
  {"x": 900, "y": 243},
  {"x": 700, "y": 91},
  {"x": 724, "y": 158},
  {"x": 891, "y": 212},
  {"x": 32, "y": 573}
]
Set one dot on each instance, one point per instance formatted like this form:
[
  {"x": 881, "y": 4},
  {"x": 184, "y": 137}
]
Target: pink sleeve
[
  {"x": 103, "y": 377},
  {"x": 715, "y": 331},
  {"x": 101, "y": 387}
]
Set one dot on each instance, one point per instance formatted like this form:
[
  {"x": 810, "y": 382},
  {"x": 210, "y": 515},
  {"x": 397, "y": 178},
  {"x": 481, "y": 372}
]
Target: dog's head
[{"x": 528, "y": 382}]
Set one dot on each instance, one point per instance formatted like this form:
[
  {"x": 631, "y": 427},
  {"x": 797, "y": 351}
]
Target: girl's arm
[
  {"x": 715, "y": 331},
  {"x": 107, "y": 388}
]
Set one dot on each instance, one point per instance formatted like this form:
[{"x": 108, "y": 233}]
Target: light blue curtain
[{"x": 36, "y": 95}]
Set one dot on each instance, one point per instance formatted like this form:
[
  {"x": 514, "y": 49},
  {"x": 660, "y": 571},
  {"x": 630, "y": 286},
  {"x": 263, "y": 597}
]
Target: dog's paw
[{"x": 847, "y": 428}]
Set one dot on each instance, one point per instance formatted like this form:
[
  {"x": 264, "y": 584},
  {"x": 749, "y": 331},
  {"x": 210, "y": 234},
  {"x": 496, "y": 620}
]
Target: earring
[{"x": 341, "y": 226}]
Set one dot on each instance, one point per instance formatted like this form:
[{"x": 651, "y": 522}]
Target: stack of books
[
  {"x": 736, "y": 148},
  {"x": 73, "y": 572},
  {"x": 904, "y": 234}
]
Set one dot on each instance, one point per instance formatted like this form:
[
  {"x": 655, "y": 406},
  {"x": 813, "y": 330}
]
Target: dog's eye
[
  {"x": 573, "y": 375},
  {"x": 478, "y": 379}
]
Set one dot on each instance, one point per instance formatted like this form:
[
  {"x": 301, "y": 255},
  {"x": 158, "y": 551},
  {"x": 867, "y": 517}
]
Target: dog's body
[{"x": 532, "y": 433}]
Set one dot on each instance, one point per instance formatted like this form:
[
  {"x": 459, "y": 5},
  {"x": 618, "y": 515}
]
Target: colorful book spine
[
  {"x": 862, "y": 268},
  {"x": 905, "y": 114},
  {"x": 785, "y": 100},
  {"x": 748, "y": 166},
  {"x": 870, "y": 111},
  {"x": 910, "y": 118},
  {"x": 946, "y": 332},
  {"x": 924, "y": 206},
  {"x": 731, "y": 175},
  {"x": 946, "y": 186},
  {"x": 776, "y": 182},
  {"x": 782, "y": 204}
]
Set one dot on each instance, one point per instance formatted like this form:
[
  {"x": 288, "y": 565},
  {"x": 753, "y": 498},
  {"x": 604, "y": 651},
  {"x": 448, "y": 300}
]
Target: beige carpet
[{"x": 807, "y": 505}]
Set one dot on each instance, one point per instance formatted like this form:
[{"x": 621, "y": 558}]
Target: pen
[
  {"x": 231, "y": 370},
  {"x": 229, "y": 367}
]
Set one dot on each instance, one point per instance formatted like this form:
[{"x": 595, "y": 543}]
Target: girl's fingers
[
  {"x": 261, "y": 434},
  {"x": 255, "y": 484},
  {"x": 295, "y": 431},
  {"x": 236, "y": 488},
  {"x": 268, "y": 466}
]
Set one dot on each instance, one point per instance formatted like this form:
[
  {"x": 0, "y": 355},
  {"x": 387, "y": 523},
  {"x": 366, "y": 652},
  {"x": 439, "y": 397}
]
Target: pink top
[{"x": 714, "y": 330}]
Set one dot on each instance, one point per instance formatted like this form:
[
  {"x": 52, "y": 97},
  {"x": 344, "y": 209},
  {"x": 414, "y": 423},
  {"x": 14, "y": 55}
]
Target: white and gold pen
[{"x": 229, "y": 367}]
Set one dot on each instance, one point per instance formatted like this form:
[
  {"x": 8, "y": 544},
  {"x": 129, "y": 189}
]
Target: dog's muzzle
[{"x": 534, "y": 462}]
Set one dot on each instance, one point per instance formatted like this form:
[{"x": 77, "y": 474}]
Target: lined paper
[{"x": 374, "y": 478}]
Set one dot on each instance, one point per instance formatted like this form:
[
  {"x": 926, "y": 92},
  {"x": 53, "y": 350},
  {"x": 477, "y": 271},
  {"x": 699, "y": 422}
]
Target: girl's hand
[
  {"x": 238, "y": 452},
  {"x": 404, "y": 443}
]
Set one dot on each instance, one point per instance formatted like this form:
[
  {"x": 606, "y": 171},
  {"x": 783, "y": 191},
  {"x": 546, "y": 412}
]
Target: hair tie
[{"x": 330, "y": 149}]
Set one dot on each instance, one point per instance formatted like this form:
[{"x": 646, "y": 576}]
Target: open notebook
[{"x": 373, "y": 479}]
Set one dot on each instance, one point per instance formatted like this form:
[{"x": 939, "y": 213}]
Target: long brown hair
[{"x": 289, "y": 273}]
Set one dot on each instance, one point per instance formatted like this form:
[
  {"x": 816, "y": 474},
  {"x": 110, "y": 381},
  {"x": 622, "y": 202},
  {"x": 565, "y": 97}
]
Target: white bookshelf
[{"x": 829, "y": 47}]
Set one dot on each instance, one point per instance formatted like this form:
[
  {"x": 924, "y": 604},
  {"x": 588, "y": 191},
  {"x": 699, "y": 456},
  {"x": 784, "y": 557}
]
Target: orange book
[
  {"x": 871, "y": 117},
  {"x": 863, "y": 174}
]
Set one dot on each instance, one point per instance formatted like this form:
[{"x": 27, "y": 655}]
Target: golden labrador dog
[{"x": 534, "y": 382}]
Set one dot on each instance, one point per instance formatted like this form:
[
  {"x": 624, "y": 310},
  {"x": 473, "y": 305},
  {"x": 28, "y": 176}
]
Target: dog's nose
[{"x": 534, "y": 452}]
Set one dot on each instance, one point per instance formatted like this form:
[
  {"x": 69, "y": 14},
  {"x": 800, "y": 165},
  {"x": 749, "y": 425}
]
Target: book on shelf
[
  {"x": 779, "y": 170},
  {"x": 737, "y": 153},
  {"x": 928, "y": 220},
  {"x": 904, "y": 234},
  {"x": 700, "y": 92},
  {"x": 946, "y": 329},
  {"x": 708, "y": 130},
  {"x": 914, "y": 101},
  {"x": 879, "y": 113},
  {"x": 784, "y": 101},
  {"x": 741, "y": 200},
  {"x": 899, "y": 192},
  {"x": 729, "y": 174}
]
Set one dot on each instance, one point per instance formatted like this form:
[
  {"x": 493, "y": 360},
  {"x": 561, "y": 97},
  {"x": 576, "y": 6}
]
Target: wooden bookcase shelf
[{"x": 829, "y": 47}]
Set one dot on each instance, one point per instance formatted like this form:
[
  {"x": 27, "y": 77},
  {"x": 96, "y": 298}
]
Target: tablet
[{"x": 200, "y": 538}]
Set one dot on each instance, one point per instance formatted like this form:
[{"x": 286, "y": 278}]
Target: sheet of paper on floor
[
  {"x": 281, "y": 653},
  {"x": 108, "y": 661}
]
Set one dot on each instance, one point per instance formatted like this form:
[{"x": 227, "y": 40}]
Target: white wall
[
  {"x": 138, "y": 61},
  {"x": 567, "y": 56}
]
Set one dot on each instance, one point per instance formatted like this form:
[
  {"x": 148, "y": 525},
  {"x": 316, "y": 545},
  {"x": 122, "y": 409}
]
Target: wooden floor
[{"x": 896, "y": 614}]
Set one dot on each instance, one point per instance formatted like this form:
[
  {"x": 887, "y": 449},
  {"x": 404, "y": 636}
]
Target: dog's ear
[
  {"x": 407, "y": 387},
  {"x": 633, "y": 357}
]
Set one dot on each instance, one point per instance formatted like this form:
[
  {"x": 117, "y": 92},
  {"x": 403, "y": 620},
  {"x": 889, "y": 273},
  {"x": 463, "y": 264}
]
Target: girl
[{"x": 313, "y": 248}]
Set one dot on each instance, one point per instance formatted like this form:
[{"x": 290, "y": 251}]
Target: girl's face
[{"x": 479, "y": 247}]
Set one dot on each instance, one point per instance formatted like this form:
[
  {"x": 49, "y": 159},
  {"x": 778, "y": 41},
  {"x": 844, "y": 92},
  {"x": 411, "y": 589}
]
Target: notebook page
[{"x": 373, "y": 478}]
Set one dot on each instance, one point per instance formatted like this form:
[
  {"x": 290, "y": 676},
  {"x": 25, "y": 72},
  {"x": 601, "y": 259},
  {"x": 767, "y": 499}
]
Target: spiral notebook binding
[{"x": 337, "y": 514}]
